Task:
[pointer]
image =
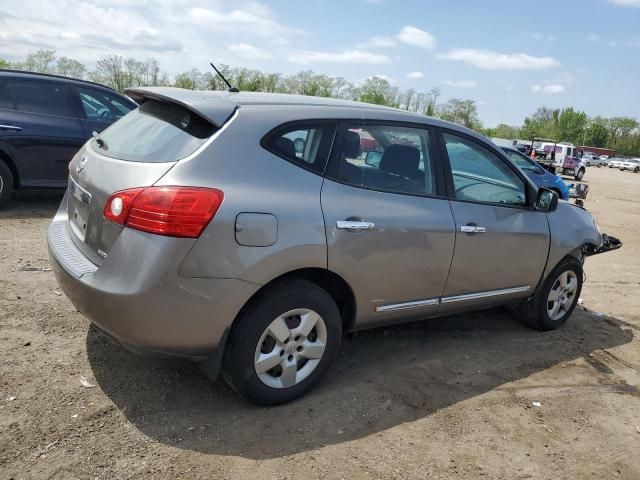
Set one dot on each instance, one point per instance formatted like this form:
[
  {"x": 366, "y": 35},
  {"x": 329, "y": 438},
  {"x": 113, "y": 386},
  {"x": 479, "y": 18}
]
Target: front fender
[{"x": 571, "y": 227}]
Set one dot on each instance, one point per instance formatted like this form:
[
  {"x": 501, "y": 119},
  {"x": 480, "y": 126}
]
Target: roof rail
[{"x": 52, "y": 75}]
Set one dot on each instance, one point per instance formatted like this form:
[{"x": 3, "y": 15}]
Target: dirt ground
[{"x": 446, "y": 398}]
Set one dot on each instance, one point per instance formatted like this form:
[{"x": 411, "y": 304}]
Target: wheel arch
[
  {"x": 329, "y": 281},
  {"x": 8, "y": 161}
]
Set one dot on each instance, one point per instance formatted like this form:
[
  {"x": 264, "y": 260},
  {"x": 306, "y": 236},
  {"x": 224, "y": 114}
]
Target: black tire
[
  {"x": 238, "y": 368},
  {"x": 636, "y": 170},
  {"x": 588, "y": 164},
  {"x": 580, "y": 174},
  {"x": 6, "y": 183},
  {"x": 534, "y": 312}
]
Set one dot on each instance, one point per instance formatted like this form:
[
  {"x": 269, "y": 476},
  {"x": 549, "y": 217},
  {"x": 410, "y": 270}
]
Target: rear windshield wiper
[{"x": 99, "y": 140}]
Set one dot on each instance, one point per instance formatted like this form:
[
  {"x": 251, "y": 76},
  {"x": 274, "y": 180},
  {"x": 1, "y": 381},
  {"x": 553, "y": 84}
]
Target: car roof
[
  {"x": 217, "y": 106},
  {"x": 52, "y": 77}
]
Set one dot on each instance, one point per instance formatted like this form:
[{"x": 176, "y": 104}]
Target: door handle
[
  {"x": 10, "y": 127},
  {"x": 472, "y": 229},
  {"x": 354, "y": 225}
]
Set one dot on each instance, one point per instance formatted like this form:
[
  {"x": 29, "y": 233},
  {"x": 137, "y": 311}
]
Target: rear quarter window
[
  {"x": 305, "y": 144},
  {"x": 155, "y": 132}
]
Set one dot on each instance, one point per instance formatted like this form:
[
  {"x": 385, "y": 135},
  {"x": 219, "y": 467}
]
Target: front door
[
  {"x": 389, "y": 235},
  {"x": 501, "y": 244}
]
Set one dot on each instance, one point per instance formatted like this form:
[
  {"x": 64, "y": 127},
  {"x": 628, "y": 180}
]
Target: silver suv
[{"x": 194, "y": 227}]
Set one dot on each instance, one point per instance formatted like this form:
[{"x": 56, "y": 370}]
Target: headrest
[
  {"x": 401, "y": 159},
  {"x": 286, "y": 146},
  {"x": 351, "y": 144}
]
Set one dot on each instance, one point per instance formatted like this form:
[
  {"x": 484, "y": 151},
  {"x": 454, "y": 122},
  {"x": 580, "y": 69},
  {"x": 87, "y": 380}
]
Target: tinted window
[
  {"x": 387, "y": 157},
  {"x": 36, "y": 96},
  {"x": 102, "y": 106},
  {"x": 305, "y": 144},
  {"x": 6, "y": 100},
  {"x": 155, "y": 132},
  {"x": 480, "y": 175}
]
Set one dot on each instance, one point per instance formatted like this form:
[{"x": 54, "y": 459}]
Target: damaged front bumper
[{"x": 608, "y": 243}]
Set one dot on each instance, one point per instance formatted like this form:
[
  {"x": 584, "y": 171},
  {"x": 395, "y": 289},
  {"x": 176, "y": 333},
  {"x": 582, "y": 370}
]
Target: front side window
[
  {"x": 481, "y": 176},
  {"x": 39, "y": 96},
  {"x": 307, "y": 145},
  {"x": 102, "y": 106},
  {"x": 391, "y": 158}
]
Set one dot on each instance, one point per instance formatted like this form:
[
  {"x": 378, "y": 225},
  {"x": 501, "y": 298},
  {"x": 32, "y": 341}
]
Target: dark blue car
[
  {"x": 540, "y": 176},
  {"x": 44, "y": 120}
]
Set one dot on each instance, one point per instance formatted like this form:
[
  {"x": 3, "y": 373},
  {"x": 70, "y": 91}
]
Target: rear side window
[
  {"x": 155, "y": 132},
  {"x": 102, "y": 106},
  {"x": 36, "y": 96},
  {"x": 391, "y": 158},
  {"x": 6, "y": 100},
  {"x": 307, "y": 145}
]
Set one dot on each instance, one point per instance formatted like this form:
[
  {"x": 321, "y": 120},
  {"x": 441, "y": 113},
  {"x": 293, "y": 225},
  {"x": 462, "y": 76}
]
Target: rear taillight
[{"x": 171, "y": 211}]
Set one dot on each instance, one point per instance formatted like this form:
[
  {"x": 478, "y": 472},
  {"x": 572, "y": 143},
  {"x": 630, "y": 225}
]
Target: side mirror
[
  {"x": 547, "y": 200},
  {"x": 373, "y": 158}
]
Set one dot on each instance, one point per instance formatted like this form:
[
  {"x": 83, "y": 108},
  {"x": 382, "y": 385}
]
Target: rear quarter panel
[{"x": 256, "y": 181}]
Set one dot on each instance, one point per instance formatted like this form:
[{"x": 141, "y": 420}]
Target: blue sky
[{"x": 509, "y": 56}]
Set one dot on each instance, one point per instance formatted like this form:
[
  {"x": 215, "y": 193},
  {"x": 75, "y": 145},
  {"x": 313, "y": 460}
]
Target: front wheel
[
  {"x": 579, "y": 175},
  {"x": 555, "y": 301},
  {"x": 283, "y": 343},
  {"x": 637, "y": 169}
]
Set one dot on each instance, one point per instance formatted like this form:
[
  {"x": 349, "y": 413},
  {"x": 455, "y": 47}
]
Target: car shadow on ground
[
  {"x": 34, "y": 204},
  {"x": 381, "y": 378}
]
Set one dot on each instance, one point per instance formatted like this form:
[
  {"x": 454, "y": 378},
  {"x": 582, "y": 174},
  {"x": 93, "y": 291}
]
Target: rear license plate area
[{"x": 78, "y": 209}]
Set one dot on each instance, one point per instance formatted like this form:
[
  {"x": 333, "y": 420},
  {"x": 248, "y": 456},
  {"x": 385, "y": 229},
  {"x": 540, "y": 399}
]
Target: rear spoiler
[{"x": 207, "y": 104}]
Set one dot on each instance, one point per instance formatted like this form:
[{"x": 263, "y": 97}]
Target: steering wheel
[{"x": 104, "y": 115}]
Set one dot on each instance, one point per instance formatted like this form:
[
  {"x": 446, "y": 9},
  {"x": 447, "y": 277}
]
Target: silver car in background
[
  {"x": 196, "y": 227},
  {"x": 631, "y": 164}
]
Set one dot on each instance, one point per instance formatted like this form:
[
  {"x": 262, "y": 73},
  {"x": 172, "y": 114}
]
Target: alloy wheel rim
[
  {"x": 290, "y": 348},
  {"x": 1, "y": 184},
  {"x": 562, "y": 295}
]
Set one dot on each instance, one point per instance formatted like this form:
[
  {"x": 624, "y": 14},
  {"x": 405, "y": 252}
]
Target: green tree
[
  {"x": 4, "y": 64},
  {"x": 41, "y": 61},
  {"x": 596, "y": 133},
  {"x": 571, "y": 125},
  {"x": 462, "y": 112},
  {"x": 375, "y": 90},
  {"x": 69, "y": 67}
]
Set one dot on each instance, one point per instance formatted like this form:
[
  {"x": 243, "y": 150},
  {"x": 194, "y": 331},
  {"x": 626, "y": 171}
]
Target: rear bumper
[{"x": 137, "y": 297}]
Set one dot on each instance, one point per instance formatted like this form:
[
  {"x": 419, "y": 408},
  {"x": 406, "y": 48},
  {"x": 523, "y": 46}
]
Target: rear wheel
[
  {"x": 6, "y": 183},
  {"x": 554, "y": 303},
  {"x": 283, "y": 343}
]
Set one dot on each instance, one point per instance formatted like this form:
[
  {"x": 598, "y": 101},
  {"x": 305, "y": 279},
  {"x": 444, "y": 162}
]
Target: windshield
[{"x": 155, "y": 132}]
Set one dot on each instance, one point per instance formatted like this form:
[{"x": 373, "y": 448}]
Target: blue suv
[
  {"x": 540, "y": 176},
  {"x": 44, "y": 120}
]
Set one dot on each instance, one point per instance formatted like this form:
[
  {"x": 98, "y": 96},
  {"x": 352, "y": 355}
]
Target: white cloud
[
  {"x": 377, "y": 42},
  {"x": 249, "y": 51},
  {"x": 593, "y": 38},
  {"x": 548, "y": 89},
  {"x": 489, "y": 60},
  {"x": 415, "y": 37},
  {"x": 347, "y": 56},
  {"x": 612, "y": 43},
  {"x": 626, "y": 3},
  {"x": 460, "y": 83},
  {"x": 256, "y": 20},
  {"x": 415, "y": 75},
  {"x": 538, "y": 36}
]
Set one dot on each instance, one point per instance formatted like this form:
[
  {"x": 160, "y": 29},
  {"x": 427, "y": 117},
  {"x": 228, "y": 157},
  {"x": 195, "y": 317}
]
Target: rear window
[
  {"x": 38, "y": 96},
  {"x": 155, "y": 132}
]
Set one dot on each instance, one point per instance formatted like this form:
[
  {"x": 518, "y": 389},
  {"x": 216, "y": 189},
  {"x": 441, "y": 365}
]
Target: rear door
[
  {"x": 501, "y": 244},
  {"x": 99, "y": 108},
  {"x": 40, "y": 131},
  {"x": 390, "y": 233}
]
